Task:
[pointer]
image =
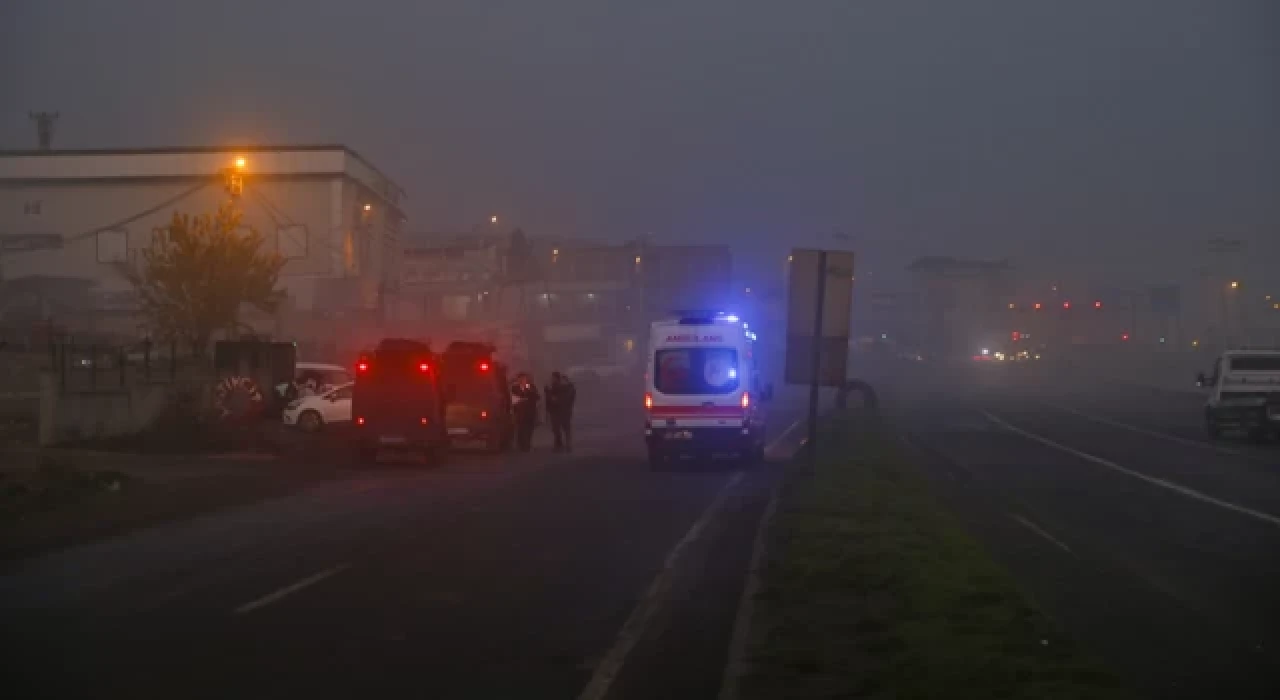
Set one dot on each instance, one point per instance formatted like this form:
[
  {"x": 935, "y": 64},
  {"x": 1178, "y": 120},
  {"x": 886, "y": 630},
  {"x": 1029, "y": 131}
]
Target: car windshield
[{"x": 696, "y": 371}]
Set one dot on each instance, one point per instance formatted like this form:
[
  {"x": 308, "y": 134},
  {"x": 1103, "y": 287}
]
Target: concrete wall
[{"x": 71, "y": 416}]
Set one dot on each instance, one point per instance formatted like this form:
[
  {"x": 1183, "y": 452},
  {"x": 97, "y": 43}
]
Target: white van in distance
[
  {"x": 703, "y": 389},
  {"x": 1244, "y": 394}
]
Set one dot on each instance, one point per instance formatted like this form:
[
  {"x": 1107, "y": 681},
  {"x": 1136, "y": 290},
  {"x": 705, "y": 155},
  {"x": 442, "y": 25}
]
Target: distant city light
[
  {"x": 368, "y": 207},
  {"x": 493, "y": 219},
  {"x": 1235, "y": 284}
]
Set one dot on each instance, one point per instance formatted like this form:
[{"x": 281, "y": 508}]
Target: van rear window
[
  {"x": 1256, "y": 363},
  {"x": 696, "y": 371}
]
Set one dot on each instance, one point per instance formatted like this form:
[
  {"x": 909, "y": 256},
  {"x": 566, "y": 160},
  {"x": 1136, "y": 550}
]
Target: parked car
[
  {"x": 311, "y": 414},
  {"x": 323, "y": 376}
]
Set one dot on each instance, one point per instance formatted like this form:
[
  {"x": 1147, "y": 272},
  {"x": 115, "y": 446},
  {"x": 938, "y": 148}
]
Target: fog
[{"x": 1090, "y": 140}]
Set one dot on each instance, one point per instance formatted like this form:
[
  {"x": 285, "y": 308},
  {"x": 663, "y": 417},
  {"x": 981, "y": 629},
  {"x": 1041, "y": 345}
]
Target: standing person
[
  {"x": 561, "y": 394},
  {"x": 525, "y": 406}
]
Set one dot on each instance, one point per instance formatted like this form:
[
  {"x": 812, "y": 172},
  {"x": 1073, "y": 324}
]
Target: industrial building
[{"x": 72, "y": 221}]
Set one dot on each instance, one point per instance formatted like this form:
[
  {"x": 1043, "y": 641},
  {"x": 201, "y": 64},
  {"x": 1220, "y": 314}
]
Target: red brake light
[
  {"x": 1066, "y": 304},
  {"x": 423, "y": 367},
  {"x": 362, "y": 366},
  {"x": 359, "y": 420},
  {"x": 1097, "y": 305},
  {"x": 484, "y": 366},
  {"x": 423, "y": 421},
  {"x": 484, "y": 414},
  {"x": 1038, "y": 306},
  {"x": 746, "y": 399},
  {"x": 648, "y": 401}
]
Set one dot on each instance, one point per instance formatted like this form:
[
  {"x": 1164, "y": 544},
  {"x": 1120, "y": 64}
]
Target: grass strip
[{"x": 872, "y": 590}]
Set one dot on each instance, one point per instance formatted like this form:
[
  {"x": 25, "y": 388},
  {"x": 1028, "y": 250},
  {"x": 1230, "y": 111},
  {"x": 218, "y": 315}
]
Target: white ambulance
[{"x": 703, "y": 389}]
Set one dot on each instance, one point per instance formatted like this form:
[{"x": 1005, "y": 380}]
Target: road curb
[{"x": 736, "y": 666}]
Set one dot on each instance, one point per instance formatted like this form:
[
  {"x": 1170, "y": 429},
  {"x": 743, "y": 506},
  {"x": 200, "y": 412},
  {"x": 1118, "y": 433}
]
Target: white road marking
[
  {"x": 785, "y": 433},
  {"x": 1162, "y": 483},
  {"x": 1143, "y": 431},
  {"x": 735, "y": 665},
  {"x": 654, "y": 598},
  {"x": 1036, "y": 529},
  {"x": 289, "y": 590}
]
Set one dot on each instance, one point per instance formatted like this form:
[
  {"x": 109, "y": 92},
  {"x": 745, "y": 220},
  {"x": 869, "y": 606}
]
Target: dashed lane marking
[
  {"x": 1144, "y": 431},
  {"x": 289, "y": 590},
  {"x": 1039, "y": 531}
]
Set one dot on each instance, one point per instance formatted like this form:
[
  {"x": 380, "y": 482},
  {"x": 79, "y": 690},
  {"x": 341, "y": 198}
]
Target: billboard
[{"x": 836, "y": 277}]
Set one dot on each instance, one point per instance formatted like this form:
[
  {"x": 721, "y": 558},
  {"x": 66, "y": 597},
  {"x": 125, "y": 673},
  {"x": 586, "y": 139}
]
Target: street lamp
[
  {"x": 1235, "y": 284},
  {"x": 493, "y": 219},
  {"x": 240, "y": 162}
]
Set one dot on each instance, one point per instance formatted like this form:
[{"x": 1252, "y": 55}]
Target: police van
[
  {"x": 703, "y": 389},
  {"x": 1244, "y": 393}
]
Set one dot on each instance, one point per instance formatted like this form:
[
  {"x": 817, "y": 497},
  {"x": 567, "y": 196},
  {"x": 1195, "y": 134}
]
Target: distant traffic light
[
  {"x": 1066, "y": 305},
  {"x": 1124, "y": 336},
  {"x": 1039, "y": 306},
  {"x": 1097, "y": 305},
  {"x": 1016, "y": 335}
]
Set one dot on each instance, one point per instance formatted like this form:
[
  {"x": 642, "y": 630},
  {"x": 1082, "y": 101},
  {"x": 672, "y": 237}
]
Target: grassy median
[{"x": 872, "y": 590}]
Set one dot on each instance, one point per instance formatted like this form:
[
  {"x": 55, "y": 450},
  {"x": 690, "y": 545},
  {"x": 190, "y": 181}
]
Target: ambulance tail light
[{"x": 648, "y": 401}]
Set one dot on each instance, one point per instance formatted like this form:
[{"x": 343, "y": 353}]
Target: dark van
[
  {"x": 397, "y": 402},
  {"x": 479, "y": 407}
]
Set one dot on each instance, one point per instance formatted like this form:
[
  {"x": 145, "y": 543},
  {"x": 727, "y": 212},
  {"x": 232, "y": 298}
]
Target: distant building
[
  {"x": 72, "y": 221},
  {"x": 958, "y": 306}
]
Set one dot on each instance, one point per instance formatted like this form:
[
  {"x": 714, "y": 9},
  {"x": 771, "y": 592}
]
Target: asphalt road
[
  {"x": 530, "y": 576},
  {"x": 1155, "y": 547}
]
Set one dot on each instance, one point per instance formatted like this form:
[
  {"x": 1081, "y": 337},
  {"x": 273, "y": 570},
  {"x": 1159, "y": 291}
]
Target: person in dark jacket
[
  {"x": 524, "y": 400},
  {"x": 561, "y": 394}
]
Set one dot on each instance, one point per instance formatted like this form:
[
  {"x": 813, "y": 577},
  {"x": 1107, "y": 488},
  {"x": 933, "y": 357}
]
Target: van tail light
[
  {"x": 424, "y": 367},
  {"x": 746, "y": 399},
  {"x": 484, "y": 414},
  {"x": 359, "y": 420},
  {"x": 648, "y": 401},
  {"x": 484, "y": 366},
  {"x": 362, "y": 366},
  {"x": 423, "y": 421}
]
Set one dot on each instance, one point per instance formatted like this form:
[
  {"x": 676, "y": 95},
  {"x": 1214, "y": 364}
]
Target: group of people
[{"x": 560, "y": 395}]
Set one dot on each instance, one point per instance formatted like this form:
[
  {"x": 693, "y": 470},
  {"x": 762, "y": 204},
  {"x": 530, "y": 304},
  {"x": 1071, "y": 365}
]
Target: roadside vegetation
[{"x": 872, "y": 590}]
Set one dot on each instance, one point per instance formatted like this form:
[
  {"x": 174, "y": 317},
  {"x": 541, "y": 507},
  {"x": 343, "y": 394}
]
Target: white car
[{"x": 312, "y": 413}]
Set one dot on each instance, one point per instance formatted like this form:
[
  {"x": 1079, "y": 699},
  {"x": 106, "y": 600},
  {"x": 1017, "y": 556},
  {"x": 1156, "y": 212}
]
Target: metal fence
[{"x": 89, "y": 367}]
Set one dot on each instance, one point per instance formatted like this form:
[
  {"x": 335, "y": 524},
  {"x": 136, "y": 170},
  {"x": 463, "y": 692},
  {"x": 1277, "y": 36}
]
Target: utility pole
[{"x": 44, "y": 127}]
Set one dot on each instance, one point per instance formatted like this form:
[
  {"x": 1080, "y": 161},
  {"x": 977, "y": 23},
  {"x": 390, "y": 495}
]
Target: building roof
[{"x": 196, "y": 162}]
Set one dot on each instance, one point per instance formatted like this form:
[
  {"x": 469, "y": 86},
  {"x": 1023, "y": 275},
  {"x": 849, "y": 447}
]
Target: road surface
[
  {"x": 1150, "y": 544},
  {"x": 527, "y": 576}
]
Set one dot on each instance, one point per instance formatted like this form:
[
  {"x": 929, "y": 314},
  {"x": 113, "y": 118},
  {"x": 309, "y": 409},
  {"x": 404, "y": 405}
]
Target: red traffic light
[
  {"x": 1124, "y": 336},
  {"x": 1039, "y": 306},
  {"x": 1016, "y": 335},
  {"x": 1066, "y": 304},
  {"x": 1097, "y": 305}
]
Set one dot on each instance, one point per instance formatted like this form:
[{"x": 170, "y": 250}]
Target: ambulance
[{"x": 703, "y": 389}]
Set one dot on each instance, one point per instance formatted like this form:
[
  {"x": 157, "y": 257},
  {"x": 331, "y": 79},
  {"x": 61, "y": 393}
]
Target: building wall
[{"x": 317, "y": 223}]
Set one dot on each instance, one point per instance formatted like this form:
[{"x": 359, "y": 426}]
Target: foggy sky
[{"x": 1098, "y": 133}]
